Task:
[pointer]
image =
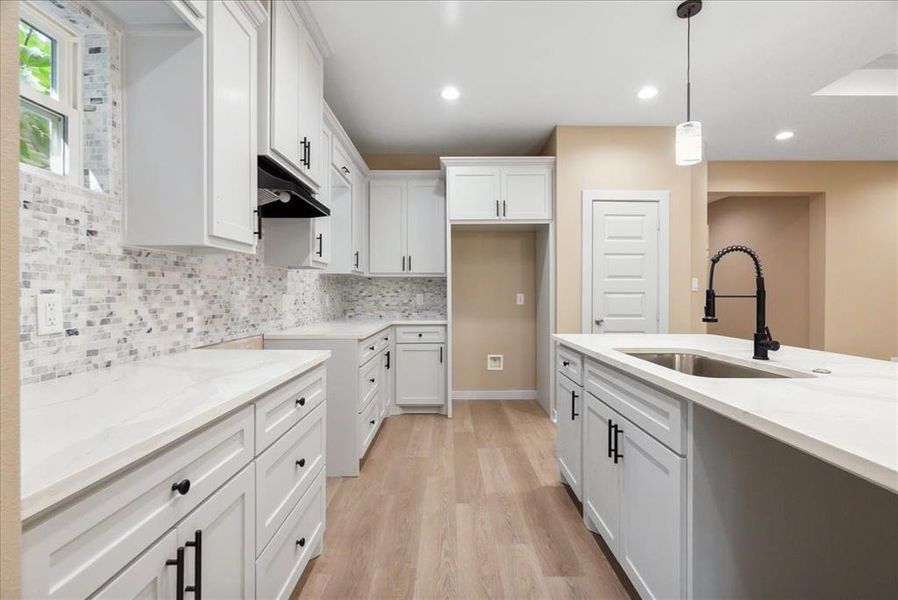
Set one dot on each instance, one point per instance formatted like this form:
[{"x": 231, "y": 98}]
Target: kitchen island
[{"x": 710, "y": 486}]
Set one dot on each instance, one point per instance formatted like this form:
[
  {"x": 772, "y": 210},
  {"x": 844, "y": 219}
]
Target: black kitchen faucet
[{"x": 763, "y": 340}]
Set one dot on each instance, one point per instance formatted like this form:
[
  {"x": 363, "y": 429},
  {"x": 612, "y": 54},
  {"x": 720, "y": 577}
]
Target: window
[{"x": 49, "y": 120}]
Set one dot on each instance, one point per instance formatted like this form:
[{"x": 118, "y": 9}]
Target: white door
[
  {"x": 652, "y": 514},
  {"x": 387, "y": 227},
  {"x": 311, "y": 89},
  {"x": 569, "y": 407},
  {"x": 420, "y": 375},
  {"x": 426, "y": 227},
  {"x": 473, "y": 193},
  {"x": 526, "y": 193},
  {"x": 232, "y": 91},
  {"x": 625, "y": 267},
  {"x": 220, "y": 538},
  {"x": 286, "y": 40},
  {"x": 359, "y": 189},
  {"x": 601, "y": 476},
  {"x": 153, "y": 575}
]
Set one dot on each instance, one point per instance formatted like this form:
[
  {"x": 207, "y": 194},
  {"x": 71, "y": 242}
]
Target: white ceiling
[{"x": 523, "y": 67}]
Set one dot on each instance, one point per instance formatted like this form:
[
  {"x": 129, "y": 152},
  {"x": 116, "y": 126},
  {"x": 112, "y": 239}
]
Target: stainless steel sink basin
[{"x": 705, "y": 366}]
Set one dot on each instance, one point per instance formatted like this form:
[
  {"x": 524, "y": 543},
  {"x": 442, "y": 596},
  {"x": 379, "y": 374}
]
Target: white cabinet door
[
  {"x": 286, "y": 52},
  {"x": 153, "y": 575},
  {"x": 426, "y": 226},
  {"x": 474, "y": 193},
  {"x": 420, "y": 375},
  {"x": 359, "y": 222},
  {"x": 311, "y": 91},
  {"x": 601, "y": 476},
  {"x": 232, "y": 90},
  {"x": 652, "y": 514},
  {"x": 387, "y": 227},
  {"x": 569, "y": 409},
  {"x": 220, "y": 538},
  {"x": 321, "y": 249},
  {"x": 526, "y": 193},
  {"x": 386, "y": 379}
]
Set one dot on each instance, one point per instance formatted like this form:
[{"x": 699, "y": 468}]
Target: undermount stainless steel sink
[{"x": 705, "y": 366}]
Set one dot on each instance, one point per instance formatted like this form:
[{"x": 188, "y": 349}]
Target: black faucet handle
[{"x": 771, "y": 343}]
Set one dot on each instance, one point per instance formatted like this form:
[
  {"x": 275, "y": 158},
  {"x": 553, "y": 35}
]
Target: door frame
[{"x": 588, "y": 199}]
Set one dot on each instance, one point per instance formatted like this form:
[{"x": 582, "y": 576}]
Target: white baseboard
[{"x": 494, "y": 394}]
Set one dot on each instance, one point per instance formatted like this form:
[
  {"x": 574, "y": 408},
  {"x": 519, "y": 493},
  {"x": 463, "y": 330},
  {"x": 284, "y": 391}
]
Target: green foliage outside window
[{"x": 36, "y": 58}]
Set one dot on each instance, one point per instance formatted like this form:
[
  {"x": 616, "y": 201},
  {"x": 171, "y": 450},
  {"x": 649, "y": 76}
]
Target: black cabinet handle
[
  {"x": 409, "y": 262},
  {"x": 344, "y": 169},
  {"x": 301, "y": 542},
  {"x": 306, "y": 152},
  {"x": 504, "y": 213},
  {"x": 441, "y": 354},
  {"x": 372, "y": 422},
  {"x": 258, "y": 231},
  {"x": 388, "y": 360},
  {"x": 197, "y": 545},
  {"x": 403, "y": 264},
  {"x": 565, "y": 363},
  {"x": 182, "y": 487},
  {"x": 610, "y": 441},
  {"x": 356, "y": 259},
  {"x": 301, "y": 462},
  {"x": 574, "y": 413},
  {"x": 301, "y": 402},
  {"x": 420, "y": 335},
  {"x": 371, "y": 348},
  {"x": 179, "y": 576},
  {"x": 371, "y": 380},
  {"x": 320, "y": 237},
  {"x": 617, "y": 455},
  {"x": 497, "y": 208}
]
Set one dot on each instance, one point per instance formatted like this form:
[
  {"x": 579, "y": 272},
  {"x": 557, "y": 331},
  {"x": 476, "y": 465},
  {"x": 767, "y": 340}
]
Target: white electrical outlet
[
  {"x": 494, "y": 362},
  {"x": 49, "y": 314},
  {"x": 519, "y": 298}
]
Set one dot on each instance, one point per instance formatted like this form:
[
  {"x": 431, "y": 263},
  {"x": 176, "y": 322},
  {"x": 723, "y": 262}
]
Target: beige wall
[
  {"x": 778, "y": 229},
  {"x": 628, "y": 158},
  {"x": 402, "y": 162},
  {"x": 860, "y": 240},
  {"x": 10, "y": 523},
  {"x": 488, "y": 269}
]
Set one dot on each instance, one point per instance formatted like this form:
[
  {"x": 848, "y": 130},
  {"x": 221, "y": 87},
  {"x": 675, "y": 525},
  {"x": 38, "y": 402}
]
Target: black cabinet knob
[
  {"x": 371, "y": 422},
  {"x": 371, "y": 348},
  {"x": 301, "y": 462},
  {"x": 182, "y": 487},
  {"x": 420, "y": 335},
  {"x": 371, "y": 380},
  {"x": 565, "y": 363},
  {"x": 301, "y": 542},
  {"x": 301, "y": 402}
]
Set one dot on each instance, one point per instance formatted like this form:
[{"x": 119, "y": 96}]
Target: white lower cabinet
[
  {"x": 421, "y": 374},
  {"x": 387, "y": 379},
  {"x": 569, "y": 407},
  {"x": 601, "y": 477},
  {"x": 154, "y": 575}
]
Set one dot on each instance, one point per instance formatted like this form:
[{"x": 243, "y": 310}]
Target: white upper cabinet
[
  {"x": 359, "y": 222},
  {"x": 190, "y": 139},
  {"x": 407, "y": 224},
  {"x": 499, "y": 189},
  {"x": 291, "y": 86}
]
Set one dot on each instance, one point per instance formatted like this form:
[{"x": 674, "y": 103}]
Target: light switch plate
[
  {"x": 494, "y": 362},
  {"x": 519, "y": 298},
  {"x": 695, "y": 284},
  {"x": 49, "y": 314}
]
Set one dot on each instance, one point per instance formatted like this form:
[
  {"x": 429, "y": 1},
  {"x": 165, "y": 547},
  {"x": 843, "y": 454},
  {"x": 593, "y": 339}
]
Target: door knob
[{"x": 600, "y": 321}]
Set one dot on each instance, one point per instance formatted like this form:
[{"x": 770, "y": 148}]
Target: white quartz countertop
[
  {"x": 79, "y": 430},
  {"x": 344, "y": 330},
  {"x": 848, "y": 418}
]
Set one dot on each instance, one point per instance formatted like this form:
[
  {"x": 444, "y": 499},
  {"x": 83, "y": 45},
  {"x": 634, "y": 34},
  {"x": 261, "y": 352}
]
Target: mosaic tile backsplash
[{"x": 123, "y": 304}]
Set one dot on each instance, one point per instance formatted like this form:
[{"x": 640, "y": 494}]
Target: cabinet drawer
[
  {"x": 282, "y": 563},
  {"x": 424, "y": 334},
  {"x": 340, "y": 159},
  {"x": 284, "y": 472},
  {"x": 570, "y": 364},
  {"x": 369, "y": 381},
  {"x": 370, "y": 347},
  {"x": 77, "y": 549},
  {"x": 369, "y": 421},
  {"x": 658, "y": 413},
  {"x": 282, "y": 408}
]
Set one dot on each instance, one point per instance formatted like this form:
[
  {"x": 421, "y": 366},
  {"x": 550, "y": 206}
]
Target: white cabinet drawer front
[
  {"x": 658, "y": 413},
  {"x": 283, "y": 407},
  {"x": 369, "y": 382},
  {"x": 369, "y": 421},
  {"x": 284, "y": 472},
  {"x": 570, "y": 364},
  {"x": 76, "y": 550},
  {"x": 427, "y": 334},
  {"x": 280, "y": 566},
  {"x": 372, "y": 346}
]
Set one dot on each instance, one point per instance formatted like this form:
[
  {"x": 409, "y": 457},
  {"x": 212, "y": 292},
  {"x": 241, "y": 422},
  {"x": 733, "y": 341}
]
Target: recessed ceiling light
[
  {"x": 784, "y": 135},
  {"x": 647, "y": 92},
  {"x": 450, "y": 92}
]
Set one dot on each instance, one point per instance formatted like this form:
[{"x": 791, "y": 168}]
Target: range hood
[{"x": 283, "y": 196}]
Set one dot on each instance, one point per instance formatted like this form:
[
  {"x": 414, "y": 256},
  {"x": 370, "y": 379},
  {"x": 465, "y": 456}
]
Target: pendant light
[{"x": 689, "y": 133}]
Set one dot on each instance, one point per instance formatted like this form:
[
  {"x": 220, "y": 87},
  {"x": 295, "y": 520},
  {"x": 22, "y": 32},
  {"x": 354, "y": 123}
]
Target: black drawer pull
[
  {"x": 301, "y": 402},
  {"x": 301, "y": 542},
  {"x": 371, "y": 348},
  {"x": 420, "y": 335},
  {"x": 197, "y": 545},
  {"x": 565, "y": 363},
  {"x": 182, "y": 487},
  {"x": 371, "y": 380},
  {"x": 372, "y": 422},
  {"x": 179, "y": 576},
  {"x": 301, "y": 462}
]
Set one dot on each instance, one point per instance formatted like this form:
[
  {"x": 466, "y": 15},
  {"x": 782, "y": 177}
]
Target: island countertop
[
  {"x": 348, "y": 329},
  {"x": 847, "y": 417},
  {"x": 78, "y": 430}
]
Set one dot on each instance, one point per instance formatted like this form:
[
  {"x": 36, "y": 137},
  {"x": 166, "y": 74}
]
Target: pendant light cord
[{"x": 688, "y": 68}]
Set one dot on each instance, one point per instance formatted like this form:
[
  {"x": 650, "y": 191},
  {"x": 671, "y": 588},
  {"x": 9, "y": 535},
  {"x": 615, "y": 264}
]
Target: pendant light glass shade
[{"x": 689, "y": 143}]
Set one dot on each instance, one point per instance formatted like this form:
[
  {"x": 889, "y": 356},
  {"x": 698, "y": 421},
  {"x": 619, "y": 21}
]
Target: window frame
[{"x": 67, "y": 101}]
